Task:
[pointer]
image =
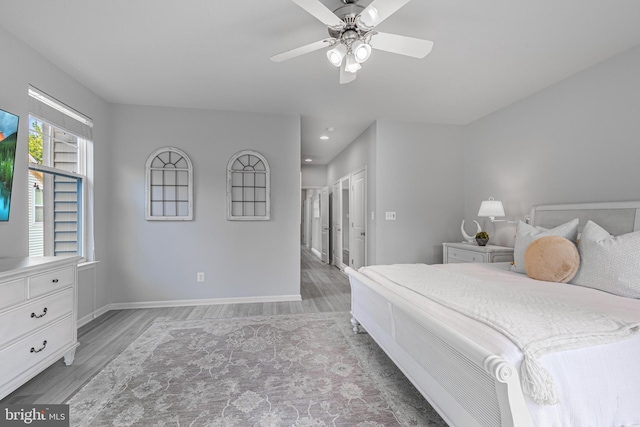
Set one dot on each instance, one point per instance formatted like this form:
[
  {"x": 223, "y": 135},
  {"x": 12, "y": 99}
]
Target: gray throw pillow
[
  {"x": 607, "y": 263},
  {"x": 525, "y": 234}
]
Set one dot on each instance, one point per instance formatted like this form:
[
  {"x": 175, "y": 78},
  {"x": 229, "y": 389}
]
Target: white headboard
[{"x": 615, "y": 217}]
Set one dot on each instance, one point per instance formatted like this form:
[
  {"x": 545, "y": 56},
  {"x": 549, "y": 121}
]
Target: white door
[
  {"x": 337, "y": 234},
  {"x": 345, "y": 222},
  {"x": 357, "y": 215},
  {"x": 324, "y": 223}
]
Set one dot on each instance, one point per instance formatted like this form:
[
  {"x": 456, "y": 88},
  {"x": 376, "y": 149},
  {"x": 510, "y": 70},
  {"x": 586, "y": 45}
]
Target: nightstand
[{"x": 469, "y": 252}]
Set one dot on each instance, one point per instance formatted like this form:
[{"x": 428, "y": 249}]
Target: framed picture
[{"x": 8, "y": 139}]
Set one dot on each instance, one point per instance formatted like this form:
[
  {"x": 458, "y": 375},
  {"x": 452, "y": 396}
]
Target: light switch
[{"x": 390, "y": 216}]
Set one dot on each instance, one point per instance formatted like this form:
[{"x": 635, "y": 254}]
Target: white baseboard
[
  {"x": 209, "y": 301},
  {"x": 183, "y": 303},
  {"x": 89, "y": 317},
  {"x": 317, "y": 252}
]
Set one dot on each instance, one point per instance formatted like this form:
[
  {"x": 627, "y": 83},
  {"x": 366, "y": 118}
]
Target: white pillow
[
  {"x": 525, "y": 234},
  {"x": 610, "y": 264}
]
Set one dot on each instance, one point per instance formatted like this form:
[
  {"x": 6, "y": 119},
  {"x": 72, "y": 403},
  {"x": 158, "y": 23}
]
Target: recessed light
[
  {"x": 324, "y": 137},
  {"x": 308, "y": 160}
]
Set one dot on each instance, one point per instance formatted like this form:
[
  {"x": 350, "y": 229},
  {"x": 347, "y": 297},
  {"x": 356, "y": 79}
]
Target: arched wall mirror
[
  {"x": 248, "y": 187},
  {"x": 169, "y": 185}
]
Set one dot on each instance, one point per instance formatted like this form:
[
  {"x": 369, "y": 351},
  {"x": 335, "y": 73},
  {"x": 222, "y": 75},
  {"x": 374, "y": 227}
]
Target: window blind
[{"x": 49, "y": 109}]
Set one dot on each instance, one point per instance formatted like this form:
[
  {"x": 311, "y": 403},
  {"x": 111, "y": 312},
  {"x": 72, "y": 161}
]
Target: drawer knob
[
  {"x": 55, "y": 280},
  {"x": 37, "y": 316},
  {"x": 44, "y": 344}
]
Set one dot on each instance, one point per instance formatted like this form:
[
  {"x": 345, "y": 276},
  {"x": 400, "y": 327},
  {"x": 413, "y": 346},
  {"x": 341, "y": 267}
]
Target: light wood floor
[{"x": 324, "y": 289}]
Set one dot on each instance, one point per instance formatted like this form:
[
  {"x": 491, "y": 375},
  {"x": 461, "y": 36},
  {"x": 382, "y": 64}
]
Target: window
[
  {"x": 248, "y": 187},
  {"x": 169, "y": 185},
  {"x": 38, "y": 205},
  {"x": 59, "y": 185}
]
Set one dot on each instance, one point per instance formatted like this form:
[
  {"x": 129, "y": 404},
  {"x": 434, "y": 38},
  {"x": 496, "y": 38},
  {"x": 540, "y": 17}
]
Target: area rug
[{"x": 287, "y": 370}]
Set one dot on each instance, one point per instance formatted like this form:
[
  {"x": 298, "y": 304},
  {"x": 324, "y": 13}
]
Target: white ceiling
[{"x": 215, "y": 55}]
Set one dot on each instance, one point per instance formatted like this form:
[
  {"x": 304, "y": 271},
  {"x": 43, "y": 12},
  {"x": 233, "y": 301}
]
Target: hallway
[{"x": 323, "y": 287}]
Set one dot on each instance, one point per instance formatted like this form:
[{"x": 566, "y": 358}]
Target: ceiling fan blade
[
  {"x": 403, "y": 45},
  {"x": 303, "y": 49},
  {"x": 345, "y": 76},
  {"x": 379, "y": 10},
  {"x": 321, "y": 12}
]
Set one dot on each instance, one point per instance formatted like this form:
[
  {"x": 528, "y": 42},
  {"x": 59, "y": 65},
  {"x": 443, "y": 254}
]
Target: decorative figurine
[{"x": 470, "y": 239}]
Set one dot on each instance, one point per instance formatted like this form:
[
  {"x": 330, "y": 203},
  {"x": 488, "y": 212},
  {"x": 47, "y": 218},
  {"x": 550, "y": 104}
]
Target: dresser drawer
[
  {"x": 28, "y": 352},
  {"x": 12, "y": 293},
  {"x": 460, "y": 255},
  {"x": 34, "y": 315},
  {"x": 502, "y": 257},
  {"x": 51, "y": 281}
]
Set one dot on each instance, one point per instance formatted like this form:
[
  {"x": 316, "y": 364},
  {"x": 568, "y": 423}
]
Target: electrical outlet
[
  {"x": 390, "y": 216},
  {"x": 200, "y": 276}
]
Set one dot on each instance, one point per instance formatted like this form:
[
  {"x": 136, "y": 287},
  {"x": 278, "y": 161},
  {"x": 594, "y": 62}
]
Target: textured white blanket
[{"x": 536, "y": 325}]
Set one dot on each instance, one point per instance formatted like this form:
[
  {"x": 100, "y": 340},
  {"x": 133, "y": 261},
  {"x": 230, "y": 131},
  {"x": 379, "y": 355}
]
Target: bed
[{"x": 471, "y": 373}]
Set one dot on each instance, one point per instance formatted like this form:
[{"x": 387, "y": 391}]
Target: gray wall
[
  {"x": 314, "y": 176},
  {"x": 576, "y": 141},
  {"x": 420, "y": 176},
  {"x": 415, "y": 170},
  {"x": 361, "y": 152},
  {"x": 24, "y": 66},
  {"x": 158, "y": 261}
]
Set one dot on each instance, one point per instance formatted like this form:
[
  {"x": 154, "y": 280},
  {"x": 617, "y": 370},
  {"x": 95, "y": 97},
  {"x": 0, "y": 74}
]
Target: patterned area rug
[{"x": 291, "y": 370}]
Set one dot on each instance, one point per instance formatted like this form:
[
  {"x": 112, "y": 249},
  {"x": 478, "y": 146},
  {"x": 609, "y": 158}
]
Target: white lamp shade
[
  {"x": 369, "y": 17},
  {"x": 337, "y": 54},
  {"x": 352, "y": 65},
  {"x": 491, "y": 208},
  {"x": 361, "y": 51}
]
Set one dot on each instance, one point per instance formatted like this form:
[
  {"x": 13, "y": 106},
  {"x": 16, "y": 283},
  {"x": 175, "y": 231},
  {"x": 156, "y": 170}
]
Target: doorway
[
  {"x": 311, "y": 236},
  {"x": 340, "y": 198}
]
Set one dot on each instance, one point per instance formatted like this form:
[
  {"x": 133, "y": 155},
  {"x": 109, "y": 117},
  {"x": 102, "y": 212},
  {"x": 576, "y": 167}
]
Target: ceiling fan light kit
[{"x": 352, "y": 36}]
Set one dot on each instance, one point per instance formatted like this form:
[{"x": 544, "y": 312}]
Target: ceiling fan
[{"x": 352, "y": 35}]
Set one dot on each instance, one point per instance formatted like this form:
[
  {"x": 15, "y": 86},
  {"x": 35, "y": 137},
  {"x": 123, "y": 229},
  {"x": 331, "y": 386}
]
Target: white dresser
[
  {"x": 468, "y": 252},
  {"x": 38, "y": 316}
]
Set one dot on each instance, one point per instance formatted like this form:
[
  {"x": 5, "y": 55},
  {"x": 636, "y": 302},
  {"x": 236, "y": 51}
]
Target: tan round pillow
[{"x": 552, "y": 258}]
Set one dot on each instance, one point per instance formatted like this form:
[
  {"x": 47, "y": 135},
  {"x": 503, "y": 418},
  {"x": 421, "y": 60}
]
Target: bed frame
[{"x": 468, "y": 385}]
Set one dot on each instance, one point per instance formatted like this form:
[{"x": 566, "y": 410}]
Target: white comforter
[{"x": 598, "y": 386}]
